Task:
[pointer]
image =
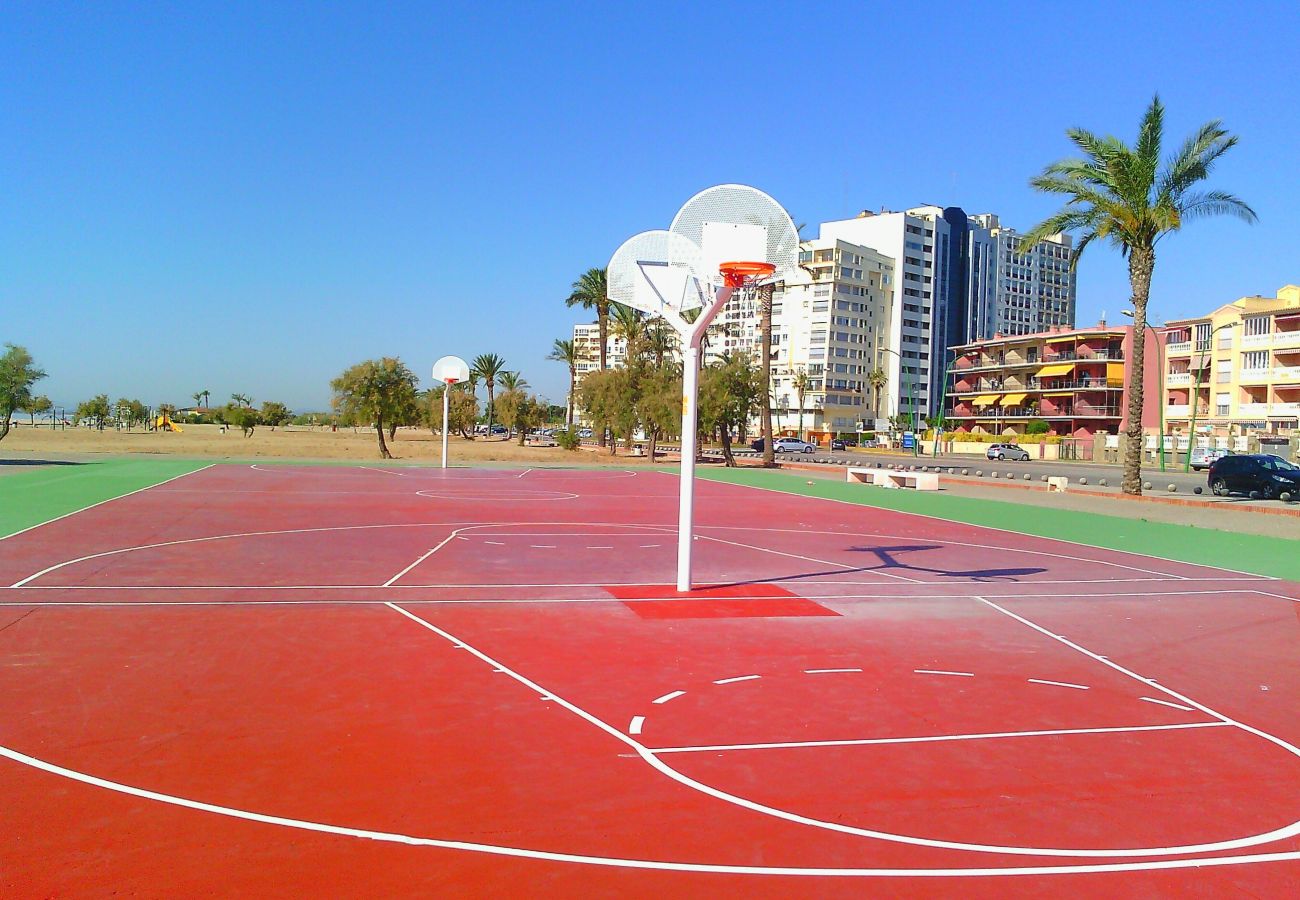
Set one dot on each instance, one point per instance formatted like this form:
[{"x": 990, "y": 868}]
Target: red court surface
[{"x": 279, "y": 680}]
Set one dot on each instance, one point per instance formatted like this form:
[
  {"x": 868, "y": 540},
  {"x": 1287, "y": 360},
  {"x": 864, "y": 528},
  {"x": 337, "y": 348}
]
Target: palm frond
[{"x": 1216, "y": 203}]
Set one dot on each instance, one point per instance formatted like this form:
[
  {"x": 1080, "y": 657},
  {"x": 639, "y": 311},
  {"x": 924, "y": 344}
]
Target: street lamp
[
  {"x": 943, "y": 397},
  {"x": 1196, "y": 394},
  {"x": 911, "y": 402},
  {"x": 1160, "y": 361}
]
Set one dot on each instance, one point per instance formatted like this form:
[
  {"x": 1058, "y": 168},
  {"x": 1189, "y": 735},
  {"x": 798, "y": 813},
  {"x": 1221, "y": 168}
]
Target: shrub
[
  {"x": 569, "y": 440},
  {"x": 1037, "y": 426}
]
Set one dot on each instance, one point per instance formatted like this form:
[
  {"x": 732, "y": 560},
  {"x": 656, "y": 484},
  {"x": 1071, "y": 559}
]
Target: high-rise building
[
  {"x": 1024, "y": 293},
  {"x": 829, "y": 323}
]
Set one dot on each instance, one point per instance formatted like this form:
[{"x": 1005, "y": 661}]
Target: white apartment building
[
  {"x": 1015, "y": 293},
  {"x": 586, "y": 338},
  {"x": 830, "y": 321},
  {"x": 919, "y": 242}
]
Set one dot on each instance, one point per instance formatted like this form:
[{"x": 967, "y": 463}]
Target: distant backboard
[{"x": 450, "y": 370}]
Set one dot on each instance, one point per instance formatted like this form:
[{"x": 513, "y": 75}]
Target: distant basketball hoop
[{"x": 449, "y": 370}]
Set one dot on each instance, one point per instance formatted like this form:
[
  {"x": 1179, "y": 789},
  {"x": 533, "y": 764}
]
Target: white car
[{"x": 791, "y": 445}]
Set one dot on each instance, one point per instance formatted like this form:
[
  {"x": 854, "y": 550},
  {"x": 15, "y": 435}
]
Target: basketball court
[{"x": 384, "y": 679}]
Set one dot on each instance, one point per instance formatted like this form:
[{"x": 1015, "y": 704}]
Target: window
[
  {"x": 1255, "y": 359},
  {"x": 1257, "y": 325},
  {"x": 1221, "y": 404},
  {"x": 1203, "y": 336}
]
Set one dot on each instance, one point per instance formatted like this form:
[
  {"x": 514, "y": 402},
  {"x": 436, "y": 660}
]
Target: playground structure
[{"x": 164, "y": 423}]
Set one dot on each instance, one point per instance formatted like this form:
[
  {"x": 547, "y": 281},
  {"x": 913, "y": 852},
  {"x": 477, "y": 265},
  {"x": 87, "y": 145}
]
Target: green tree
[
  {"x": 198, "y": 398},
  {"x": 513, "y": 381},
  {"x": 729, "y": 396},
  {"x": 207, "y": 397},
  {"x": 96, "y": 411},
  {"x": 18, "y": 372},
  {"x": 242, "y": 400},
  {"x": 274, "y": 413},
  {"x": 607, "y": 399},
  {"x": 37, "y": 406},
  {"x": 374, "y": 391},
  {"x": 1122, "y": 195},
  {"x": 462, "y": 408},
  {"x": 629, "y": 325},
  {"x": 878, "y": 380},
  {"x": 658, "y": 404},
  {"x": 488, "y": 367},
  {"x": 244, "y": 418},
  {"x": 591, "y": 291},
  {"x": 567, "y": 352}
]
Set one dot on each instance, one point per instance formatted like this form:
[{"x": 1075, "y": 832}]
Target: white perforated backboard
[
  {"x": 656, "y": 272},
  {"x": 450, "y": 370},
  {"x": 732, "y": 242}
]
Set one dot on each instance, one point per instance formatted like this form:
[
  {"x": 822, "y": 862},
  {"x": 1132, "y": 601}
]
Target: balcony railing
[
  {"x": 1286, "y": 339},
  {"x": 1177, "y": 410},
  {"x": 1175, "y": 379},
  {"x": 1256, "y": 340},
  {"x": 1286, "y": 373},
  {"x": 1285, "y": 409},
  {"x": 1179, "y": 348},
  {"x": 1252, "y": 409}
]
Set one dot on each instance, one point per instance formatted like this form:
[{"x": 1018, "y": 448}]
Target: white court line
[
  {"x": 385, "y": 471},
  {"x": 930, "y": 739},
  {"x": 496, "y": 543},
  {"x": 737, "y": 678},
  {"x": 523, "y": 473},
  {"x": 106, "y": 500},
  {"x": 1064, "y": 684},
  {"x": 1165, "y": 702},
  {"x": 435, "y": 549},
  {"x": 823, "y": 562},
  {"x": 942, "y": 672},
  {"x": 671, "y": 695},
  {"x": 827, "y": 671},
  {"x": 542, "y": 546},
  {"x": 624, "y": 863},
  {"x": 1018, "y": 534},
  {"x": 656, "y": 763},
  {"x": 634, "y": 727}
]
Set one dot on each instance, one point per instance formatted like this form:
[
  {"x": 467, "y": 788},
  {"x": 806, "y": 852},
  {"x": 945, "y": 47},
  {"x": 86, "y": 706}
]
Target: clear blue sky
[{"x": 252, "y": 196}]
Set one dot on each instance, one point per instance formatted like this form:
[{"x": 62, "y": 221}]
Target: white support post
[
  {"x": 690, "y": 442},
  {"x": 694, "y": 339},
  {"x": 446, "y": 426}
]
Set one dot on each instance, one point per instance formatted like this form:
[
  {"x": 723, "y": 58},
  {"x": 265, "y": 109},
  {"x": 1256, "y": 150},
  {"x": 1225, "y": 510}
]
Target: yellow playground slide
[{"x": 166, "y": 424}]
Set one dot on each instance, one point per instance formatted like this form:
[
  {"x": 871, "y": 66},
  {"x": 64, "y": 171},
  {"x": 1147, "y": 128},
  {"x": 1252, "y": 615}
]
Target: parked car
[
  {"x": 585, "y": 433},
  {"x": 756, "y": 445},
  {"x": 1007, "y": 451},
  {"x": 838, "y": 444},
  {"x": 1259, "y": 474},
  {"x": 792, "y": 445},
  {"x": 1204, "y": 457}
]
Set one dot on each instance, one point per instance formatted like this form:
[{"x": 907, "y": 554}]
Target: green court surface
[
  {"x": 46, "y": 492},
  {"x": 1255, "y": 554}
]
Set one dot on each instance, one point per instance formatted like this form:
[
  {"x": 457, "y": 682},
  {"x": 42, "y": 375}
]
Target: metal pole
[
  {"x": 686, "y": 499},
  {"x": 943, "y": 402},
  {"x": 1160, "y": 361},
  {"x": 446, "y": 425},
  {"x": 1196, "y": 399}
]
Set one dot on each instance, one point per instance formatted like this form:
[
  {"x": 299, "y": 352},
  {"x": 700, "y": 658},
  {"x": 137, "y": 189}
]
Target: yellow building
[{"x": 1238, "y": 367}]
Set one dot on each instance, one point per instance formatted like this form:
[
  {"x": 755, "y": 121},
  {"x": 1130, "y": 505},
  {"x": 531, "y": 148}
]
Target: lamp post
[
  {"x": 911, "y": 401},
  {"x": 1160, "y": 361},
  {"x": 1196, "y": 393}
]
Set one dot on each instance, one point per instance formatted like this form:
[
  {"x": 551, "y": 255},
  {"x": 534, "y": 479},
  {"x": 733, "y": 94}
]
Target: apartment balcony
[
  {"x": 1083, "y": 411},
  {"x": 1178, "y": 379},
  {"x": 1255, "y": 376},
  {"x": 1286, "y": 339},
  {"x": 1287, "y": 374},
  {"x": 1182, "y": 348},
  {"x": 1177, "y": 410},
  {"x": 1256, "y": 340},
  {"x": 1253, "y": 410},
  {"x": 1285, "y": 409}
]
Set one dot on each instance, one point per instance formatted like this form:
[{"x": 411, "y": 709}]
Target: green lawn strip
[
  {"x": 44, "y": 493},
  {"x": 1278, "y": 557}
]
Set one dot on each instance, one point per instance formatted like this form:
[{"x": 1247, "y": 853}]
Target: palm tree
[
  {"x": 198, "y": 397},
  {"x": 513, "y": 381},
  {"x": 591, "y": 291},
  {"x": 802, "y": 383},
  {"x": 630, "y": 326},
  {"x": 1120, "y": 194},
  {"x": 488, "y": 366},
  {"x": 567, "y": 352},
  {"x": 242, "y": 400},
  {"x": 207, "y": 397},
  {"x": 660, "y": 341},
  {"x": 878, "y": 380}
]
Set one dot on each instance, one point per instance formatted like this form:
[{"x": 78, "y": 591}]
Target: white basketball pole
[
  {"x": 446, "y": 424},
  {"x": 694, "y": 335}
]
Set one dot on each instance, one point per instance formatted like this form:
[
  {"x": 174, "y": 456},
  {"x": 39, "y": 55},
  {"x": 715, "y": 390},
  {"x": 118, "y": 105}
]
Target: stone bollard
[
  {"x": 1146, "y": 485},
  {"x": 1083, "y": 481},
  {"x": 1103, "y": 482},
  {"x": 1028, "y": 477},
  {"x": 1173, "y": 488}
]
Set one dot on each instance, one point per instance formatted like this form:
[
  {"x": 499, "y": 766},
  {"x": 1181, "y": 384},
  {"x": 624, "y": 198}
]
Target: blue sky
[{"x": 249, "y": 197}]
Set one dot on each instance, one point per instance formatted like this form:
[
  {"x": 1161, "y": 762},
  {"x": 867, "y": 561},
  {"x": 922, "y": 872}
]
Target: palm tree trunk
[
  {"x": 1141, "y": 262},
  {"x": 573, "y": 386},
  {"x": 379, "y": 430},
  {"x": 602, "y": 319},
  {"x": 654, "y": 439},
  {"x": 765, "y": 373},
  {"x": 727, "y": 458},
  {"x": 490, "y": 386},
  {"x": 801, "y": 416}
]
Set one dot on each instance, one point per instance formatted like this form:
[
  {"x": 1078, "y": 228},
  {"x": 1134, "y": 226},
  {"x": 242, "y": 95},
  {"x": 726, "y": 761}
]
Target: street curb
[{"x": 1145, "y": 498}]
